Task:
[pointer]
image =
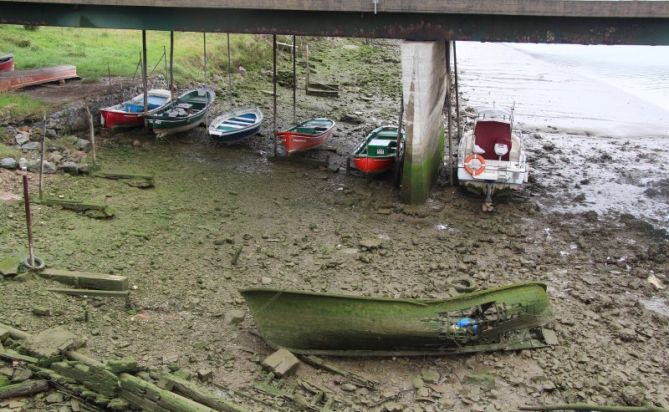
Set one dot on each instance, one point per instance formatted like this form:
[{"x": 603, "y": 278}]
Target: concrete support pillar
[{"x": 424, "y": 86}]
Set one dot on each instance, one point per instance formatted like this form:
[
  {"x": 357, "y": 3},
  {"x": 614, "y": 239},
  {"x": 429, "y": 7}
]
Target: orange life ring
[{"x": 468, "y": 160}]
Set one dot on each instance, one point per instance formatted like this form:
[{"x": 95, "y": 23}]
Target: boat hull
[
  {"x": 167, "y": 127},
  {"x": 370, "y": 165},
  {"x": 298, "y": 142},
  {"x": 348, "y": 325},
  {"x": 237, "y": 137},
  {"x": 112, "y": 119},
  {"x": 234, "y": 127},
  {"x": 130, "y": 113},
  {"x": 6, "y": 63}
]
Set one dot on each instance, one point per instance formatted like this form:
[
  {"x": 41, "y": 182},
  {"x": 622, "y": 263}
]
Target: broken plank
[
  {"x": 15, "y": 356},
  {"x": 25, "y": 388},
  {"x": 86, "y": 279},
  {"x": 91, "y": 292},
  {"x": 114, "y": 176},
  {"x": 202, "y": 395},
  {"x": 78, "y": 206},
  {"x": 163, "y": 398}
]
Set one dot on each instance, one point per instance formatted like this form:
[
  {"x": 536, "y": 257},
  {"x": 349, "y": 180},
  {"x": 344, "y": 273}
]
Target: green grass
[
  {"x": 8, "y": 151},
  {"x": 13, "y": 106},
  {"x": 96, "y": 52}
]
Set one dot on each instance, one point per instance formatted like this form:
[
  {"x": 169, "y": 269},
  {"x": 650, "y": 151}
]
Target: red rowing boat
[
  {"x": 7, "y": 63},
  {"x": 131, "y": 112},
  {"x": 377, "y": 153},
  {"x": 24, "y": 78},
  {"x": 307, "y": 135}
]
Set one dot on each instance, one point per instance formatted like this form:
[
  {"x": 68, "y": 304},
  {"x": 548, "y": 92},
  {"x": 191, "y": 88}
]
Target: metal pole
[
  {"x": 172, "y": 64},
  {"x": 144, "y": 75},
  {"x": 294, "y": 80},
  {"x": 41, "y": 161},
  {"x": 204, "y": 38},
  {"x": 229, "y": 70},
  {"x": 165, "y": 58},
  {"x": 276, "y": 143},
  {"x": 457, "y": 94},
  {"x": 448, "y": 113},
  {"x": 29, "y": 223}
]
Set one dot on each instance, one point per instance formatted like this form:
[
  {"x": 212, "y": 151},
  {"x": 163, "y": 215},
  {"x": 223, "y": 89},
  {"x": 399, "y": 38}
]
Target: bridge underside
[{"x": 409, "y": 26}]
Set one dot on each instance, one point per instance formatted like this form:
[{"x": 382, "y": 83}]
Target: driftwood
[
  {"x": 93, "y": 380},
  {"x": 104, "y": 210},
  {"x": 91, "y": 292},
  {"x": 24, "y": 388},
  {"x": 86, "y": 279},
  {"x": 591, "y": 407},
  {"x": 142, "y": 181},
  {"x": 192, "y": 391},
  {"x": 317, "y": 362},
  {"x": 14, "y": 356}
]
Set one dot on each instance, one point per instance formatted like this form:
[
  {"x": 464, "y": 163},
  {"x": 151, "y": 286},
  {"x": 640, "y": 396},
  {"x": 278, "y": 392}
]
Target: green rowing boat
[
  {"x": 186, "y": 112},
  {"x": 504, "y": 318}
]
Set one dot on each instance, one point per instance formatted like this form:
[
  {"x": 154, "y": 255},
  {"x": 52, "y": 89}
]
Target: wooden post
[
  {"x": 145, "y": 75},
  {"x": 91, "y": 129},
  {"x": 457, "y": 94},
  {"x": 172, "y": 63},
  {"x": 448, "y": 115},
  {"x": 276, "y": 143},
  {"x": 229, "y": 70},
  {"x": 306, "y": 51},
  {"x": 29, "y": 222},
  {"x": 400, "y": 123},
  {"x": 294, "y": 80},
  {"x": 42, "y": 157}
]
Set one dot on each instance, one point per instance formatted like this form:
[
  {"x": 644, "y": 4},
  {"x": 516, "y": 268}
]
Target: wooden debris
[
  {"x": 91, "y": 292},
  {"x": 198, "y": 394},
  {"x": 52, "y": 343},
  {"x": 24, "y": 388},
  {"x": 144, "y": 390},
  {"x": 141, "y": 181},
  {"x": 15, "y": 356},
  {"x": 94, "y": 378},
  {"x": 123, "y": 365},
  {"x": 317, "y": 362},
  {"x": 281, "y": 362},
  {"x": 95, "y": 210},
  {"x": 86, "y": 279},
  {"x": 591, "y": 407}
]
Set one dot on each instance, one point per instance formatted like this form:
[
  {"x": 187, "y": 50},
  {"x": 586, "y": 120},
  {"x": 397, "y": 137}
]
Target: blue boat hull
[{"x": 237, "y": 136}]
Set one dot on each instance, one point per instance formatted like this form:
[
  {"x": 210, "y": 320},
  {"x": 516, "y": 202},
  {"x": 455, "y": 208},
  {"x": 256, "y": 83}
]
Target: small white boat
[
  {"x": 492, "y": 157},
  {"x": 233, "y": 127}
]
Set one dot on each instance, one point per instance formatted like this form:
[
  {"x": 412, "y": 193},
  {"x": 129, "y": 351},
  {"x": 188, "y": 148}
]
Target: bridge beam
[{"x": 424, "y": 83}]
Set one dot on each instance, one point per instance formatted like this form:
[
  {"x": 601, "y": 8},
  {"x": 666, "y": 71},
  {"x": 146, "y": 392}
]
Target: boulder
[
  {"x": 83, "y": 144},
  {"x": 8, "y": 163},
  {"x": 21, "y": 139},
  {"x": 31, "y": 146}
]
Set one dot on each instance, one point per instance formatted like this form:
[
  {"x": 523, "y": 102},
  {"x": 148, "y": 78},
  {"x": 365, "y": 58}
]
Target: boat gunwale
[
  {"x": 419, "y": 302},
  {"x": 357, "y": 152},
  {"x": 114, "y": 108}
]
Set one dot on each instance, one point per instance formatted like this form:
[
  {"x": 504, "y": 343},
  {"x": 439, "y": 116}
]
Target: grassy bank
[{"x": 97, "y": 52}]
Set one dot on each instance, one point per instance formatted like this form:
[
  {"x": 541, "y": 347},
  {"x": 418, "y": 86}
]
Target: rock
[
  {"x": 430, "y": 376},
  {"x": 370, "y": 243},
  {"x": 280, "y": 362},
  {"x": 34, "y": 166},
  {"x": 21, "y": 374},
  {"x": 41, "y": 311},
  {"x": 55, "y": 157},
  {"x": 83, "y": 144},
  {"x": 21, "y": 139},
  {"x": 50, "y": 343},
  {"x": 349, "y": 387},
  {"x": 265, "y": 280},
  {"x": 483, "y": 380},
  {"x": 205, "y": 374},
  {"x": 234, "y": 317},
  {"x": 351, "y": 118},
  {"x": 31, "y": 146},
  {"x": 9, "y": 265},
  {"x": 70, "y": 167},
  {"x": 393, "y": 407},
  {"x": 8, "y": 163},
  {"x": 418, "y": 382},
  {"x": 55, "y": 397},
  {"x": 23, "y": 163}
]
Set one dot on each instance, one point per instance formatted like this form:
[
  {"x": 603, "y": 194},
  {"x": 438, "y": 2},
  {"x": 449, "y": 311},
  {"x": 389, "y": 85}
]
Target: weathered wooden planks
[{"x": 86, "y": 279}]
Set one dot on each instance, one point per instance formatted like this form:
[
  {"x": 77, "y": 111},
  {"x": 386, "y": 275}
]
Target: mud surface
[{"x": 300, "y": 227}]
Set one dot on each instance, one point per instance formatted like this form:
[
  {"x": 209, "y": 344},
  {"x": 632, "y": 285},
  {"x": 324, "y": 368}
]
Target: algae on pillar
[{"x": 424, "y": 83}]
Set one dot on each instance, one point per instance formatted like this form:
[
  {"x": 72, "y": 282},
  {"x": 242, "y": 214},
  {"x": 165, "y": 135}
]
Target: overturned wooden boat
[
  {"x": 17, "y": 79},
  {"x": 504, "y": 318},
  {"x": 131, "y": 112},
  {"x": 307, "y": 135},
  {"x": 186, "y": 112},
  {"x": 7, "y": 63},
  {"x": 378, "y": 152},
  {"x": 235, "y": 126}
]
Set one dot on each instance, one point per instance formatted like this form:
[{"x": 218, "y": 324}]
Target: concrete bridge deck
[{"x": 552, "y": 21}]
